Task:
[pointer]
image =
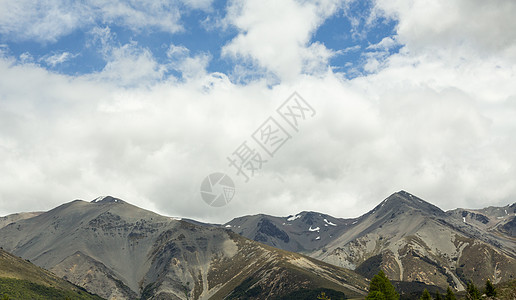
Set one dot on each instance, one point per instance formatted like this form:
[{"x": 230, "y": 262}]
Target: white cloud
[
  {"x": 436, "y": 119},
  {"x": 55, "y": 59},
  {"x": 385, "y": 44},
  {"x": 351, "y": 49},
  {"x": 26, "y": 58},
  {"x": 130, "y": 65},
  {"x": 45, "y": 21},
  {"x": 134, "y": 65},
  {"x": 102, "y": 39},
  {"x": 137, "y": 14},
  {"x": 455, "y": 28},
  {"x": 177, "y": 52},
  {"x": 189, "y": 66},
  {"x": 205, "y": 5},
  {"x": 276, "y": 35},
  {"x": 48, "y": 20}
]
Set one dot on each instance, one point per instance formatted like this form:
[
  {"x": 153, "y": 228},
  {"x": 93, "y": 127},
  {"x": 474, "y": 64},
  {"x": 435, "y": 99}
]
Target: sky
[{"x": 143, "y": 100}]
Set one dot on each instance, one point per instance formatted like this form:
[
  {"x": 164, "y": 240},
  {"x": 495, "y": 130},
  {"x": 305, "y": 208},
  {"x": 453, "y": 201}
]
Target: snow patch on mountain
[
  {"x": 329, "y": 223},
  {"x": 98, "y": 199},
  {"x": 292, "y": 218}
]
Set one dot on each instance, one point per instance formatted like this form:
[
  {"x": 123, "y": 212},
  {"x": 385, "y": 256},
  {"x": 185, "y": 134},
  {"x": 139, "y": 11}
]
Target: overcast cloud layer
[{"x": 436, "y": 118}]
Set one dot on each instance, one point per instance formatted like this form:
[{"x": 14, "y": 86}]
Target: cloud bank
[{"x": 436, "y": 118}]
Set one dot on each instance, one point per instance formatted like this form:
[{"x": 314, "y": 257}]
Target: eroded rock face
[
  {"x": 509, "y": 228},
  {"x": 267, "y": 229},
  {"x": 93, "y": 276}
]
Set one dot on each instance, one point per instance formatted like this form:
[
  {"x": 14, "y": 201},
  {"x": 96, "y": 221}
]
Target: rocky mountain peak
[
  {"x": 407, "y": 197},
  {"x": 403, "y": 200},
  {"x": 107, "y": 199}
]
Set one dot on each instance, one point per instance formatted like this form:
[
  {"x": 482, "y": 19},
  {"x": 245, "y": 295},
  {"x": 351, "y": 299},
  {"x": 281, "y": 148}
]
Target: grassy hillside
[{"x": 20, "y": 279}]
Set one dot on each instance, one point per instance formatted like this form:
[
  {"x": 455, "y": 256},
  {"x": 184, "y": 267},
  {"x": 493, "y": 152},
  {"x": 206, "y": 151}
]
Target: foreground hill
[
  {"x": 411, "y": 239},
  {"x": 20, "y": 279},
  {"x": 120, "y": 251}
]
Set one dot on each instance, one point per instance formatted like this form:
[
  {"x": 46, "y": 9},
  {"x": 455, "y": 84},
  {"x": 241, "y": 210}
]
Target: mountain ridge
[
  {"x": 412, "y": 239},
  {"x": 121, "y": 251},
  {"x": 135, "y": 252}
]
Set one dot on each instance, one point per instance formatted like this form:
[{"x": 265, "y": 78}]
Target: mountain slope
[
  {"x": 304, "y": 232},
  {"x": 20, "y": 279},
  {"x": 4, "y": 221},
  {"x": 498, "y": 222},
  {"x": 121, "y": 251},
  {"x": 411, "y": 239},
  {"x": 416, "y": 241}
]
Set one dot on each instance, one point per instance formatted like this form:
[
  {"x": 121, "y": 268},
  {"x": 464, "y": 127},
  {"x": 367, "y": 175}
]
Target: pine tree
[
  {"x": 449, "y": 295},
  {"x": 381, "y": 288},
  {"x": 375, "y": 295},
  {"x": 490, "y": 289},
  {"x": 473, "y": 293},
  {"x": 438, "y": 295},
  {"x": 426, "y": 295}
]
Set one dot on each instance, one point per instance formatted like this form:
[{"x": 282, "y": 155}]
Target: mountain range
[
  {"x": 407, "y": 237},
  {"x": 119, "y": 251}
]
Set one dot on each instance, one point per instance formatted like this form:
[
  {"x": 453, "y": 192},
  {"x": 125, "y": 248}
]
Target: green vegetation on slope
[
  {"x": 506, "y": 290},
  {"x": 426, "y": 295},
  {"x": 450, "y": 295},
  {"x": 327, "y": 294},
  {"x": 20, "y": 279},
  {"x": 381, "y": 288},
  {"x": 24, "y": 289}
]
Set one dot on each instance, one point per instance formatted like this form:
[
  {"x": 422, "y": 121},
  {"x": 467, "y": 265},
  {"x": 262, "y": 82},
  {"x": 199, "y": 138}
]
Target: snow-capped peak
[{"x": 107, "y": 199}]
